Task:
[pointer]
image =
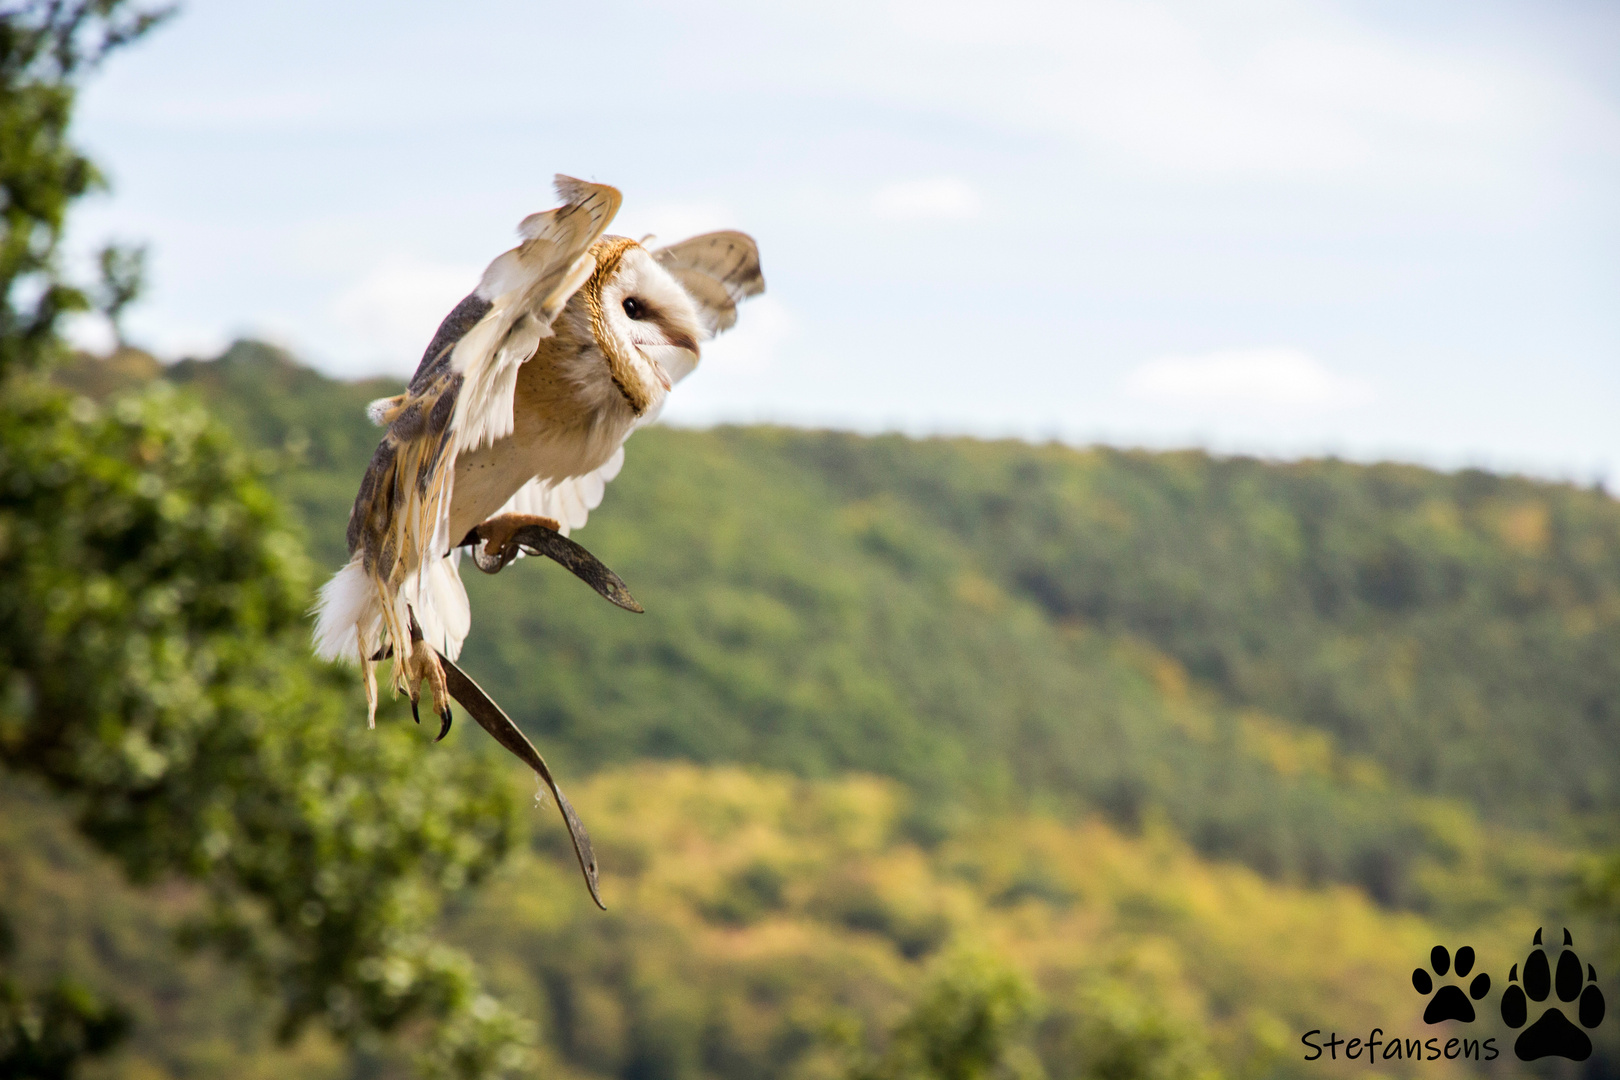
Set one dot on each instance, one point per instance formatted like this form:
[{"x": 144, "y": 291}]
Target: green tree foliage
[
  {"x": 46, "y": 1036},
  {"x": 122, "y": 272},
  {"x": 966, "y": 1025},
  {"x": 1597, "y": 895},
  {"x": 45, "y": 46},
  {"x": 152, "y": 645},
  {"x": 46, "y": 1033},
  {"x": 1461, "y": 629},
  {"x": 1119, "y": 1032},
  {"x": 819, "y": 601},
  {"x": 154, "y": 672},
  {"x": 1149, "y": 961}
]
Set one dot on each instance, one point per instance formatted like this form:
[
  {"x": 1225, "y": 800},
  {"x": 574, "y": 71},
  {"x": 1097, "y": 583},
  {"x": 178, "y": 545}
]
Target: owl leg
[
  {"x": 497, "y": 535},
  {"x": 423, "y": 663}
]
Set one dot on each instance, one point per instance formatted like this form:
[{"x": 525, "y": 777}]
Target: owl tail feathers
[
  {"x": 443, "y": 613},
  {"x": 351, "y": 622},
  {"x": 347, "y": 611}
]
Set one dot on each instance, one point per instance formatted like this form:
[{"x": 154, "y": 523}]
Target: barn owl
[{"x": 517, "y": 416}]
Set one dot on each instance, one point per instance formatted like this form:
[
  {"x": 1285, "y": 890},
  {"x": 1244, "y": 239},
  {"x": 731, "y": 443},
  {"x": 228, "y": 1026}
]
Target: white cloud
[
  {"x": 387, "y": 317},
  {"x": 1264, "y": 88},
  {"x": 941, "y": 198},
  {"x": 1263, "y": 378}
]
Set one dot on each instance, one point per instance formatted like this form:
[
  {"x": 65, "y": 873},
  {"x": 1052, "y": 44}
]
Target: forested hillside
[
  {"x": 1216, "y": 745},
  {"x": 1303, "y": 665}
]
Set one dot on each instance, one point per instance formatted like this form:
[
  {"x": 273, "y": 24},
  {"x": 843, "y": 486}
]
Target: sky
[{"x": 1280, "y": 227}]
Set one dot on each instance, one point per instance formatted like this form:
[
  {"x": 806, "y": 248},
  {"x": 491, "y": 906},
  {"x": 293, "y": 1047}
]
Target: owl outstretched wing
[{"x": 460, "y": 399}]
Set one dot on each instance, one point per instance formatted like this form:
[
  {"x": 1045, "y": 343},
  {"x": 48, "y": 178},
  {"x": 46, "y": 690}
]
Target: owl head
[{"x": 645, "y": 324}]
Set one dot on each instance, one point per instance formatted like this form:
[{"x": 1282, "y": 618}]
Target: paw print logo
[
  {"x": 1448, "y": 1002},
  {"x": 1553, "y": 1035}
]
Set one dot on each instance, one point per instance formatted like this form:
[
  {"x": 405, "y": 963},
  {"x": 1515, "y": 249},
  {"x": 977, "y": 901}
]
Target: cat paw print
[
  {"x": 1448, "y": 1002},
  {"x": 1553, "y": 1035}
]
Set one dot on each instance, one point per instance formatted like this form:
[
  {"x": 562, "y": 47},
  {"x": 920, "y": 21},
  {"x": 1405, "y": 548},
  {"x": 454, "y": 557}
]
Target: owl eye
[{"x": 634, "y": 308}]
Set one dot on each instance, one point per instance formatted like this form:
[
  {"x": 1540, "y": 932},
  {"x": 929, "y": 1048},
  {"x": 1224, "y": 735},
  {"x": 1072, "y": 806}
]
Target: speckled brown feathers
[
  {"x": 399, "y": 498},
  {"x": 720, "y": 270}
]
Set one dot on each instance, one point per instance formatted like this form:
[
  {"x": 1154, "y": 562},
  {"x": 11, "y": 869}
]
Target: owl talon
[
  {"x": 423, "y": 663},
  {"x": 498, "y": 545},
  {"x": 491, "y": 564}
]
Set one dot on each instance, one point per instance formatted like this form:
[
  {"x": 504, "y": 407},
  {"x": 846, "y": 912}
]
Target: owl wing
[
  {"x": 718, "y": 270},
  {"x": 526, "y": 289},
  {"x": 460, "y": 399}
]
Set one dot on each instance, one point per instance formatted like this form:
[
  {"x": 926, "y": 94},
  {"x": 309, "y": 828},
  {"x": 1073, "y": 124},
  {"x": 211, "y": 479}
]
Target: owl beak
[
  {"x": 670, "y": 338},
  {"x": 664, "y": 336},
  {"x": 682, "y": 340}
]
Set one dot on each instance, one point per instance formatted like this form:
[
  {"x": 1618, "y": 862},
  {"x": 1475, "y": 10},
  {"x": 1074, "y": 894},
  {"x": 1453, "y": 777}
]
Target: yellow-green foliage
[
  {"x": 73, "y": 912},
  {"x": 763, "y": 925}
]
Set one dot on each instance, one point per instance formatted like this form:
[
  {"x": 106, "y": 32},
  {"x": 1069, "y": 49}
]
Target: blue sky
[{"x": 1376, "y": 229}]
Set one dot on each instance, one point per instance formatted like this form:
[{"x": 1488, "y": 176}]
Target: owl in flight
[{"x": 517, "y": 417}]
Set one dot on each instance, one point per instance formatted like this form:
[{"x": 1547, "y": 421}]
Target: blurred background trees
[
  {"x": 153, "y": 667},
  {"x": 122, "y": 272},
  {"x": 966, "y": 1025},
  {"x": 46, "y": 47}
]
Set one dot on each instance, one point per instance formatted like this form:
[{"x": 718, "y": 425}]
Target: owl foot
[
  {"x": 499, "y": 536},
  {"x": 423, "y": 663},
  {"x": 504, "y": 536}
]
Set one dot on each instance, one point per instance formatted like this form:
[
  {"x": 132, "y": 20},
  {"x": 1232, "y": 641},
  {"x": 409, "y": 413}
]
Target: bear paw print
[
  {"x": 1448, "y": 1002},
  {"x": 1553, "y": 1035}
]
